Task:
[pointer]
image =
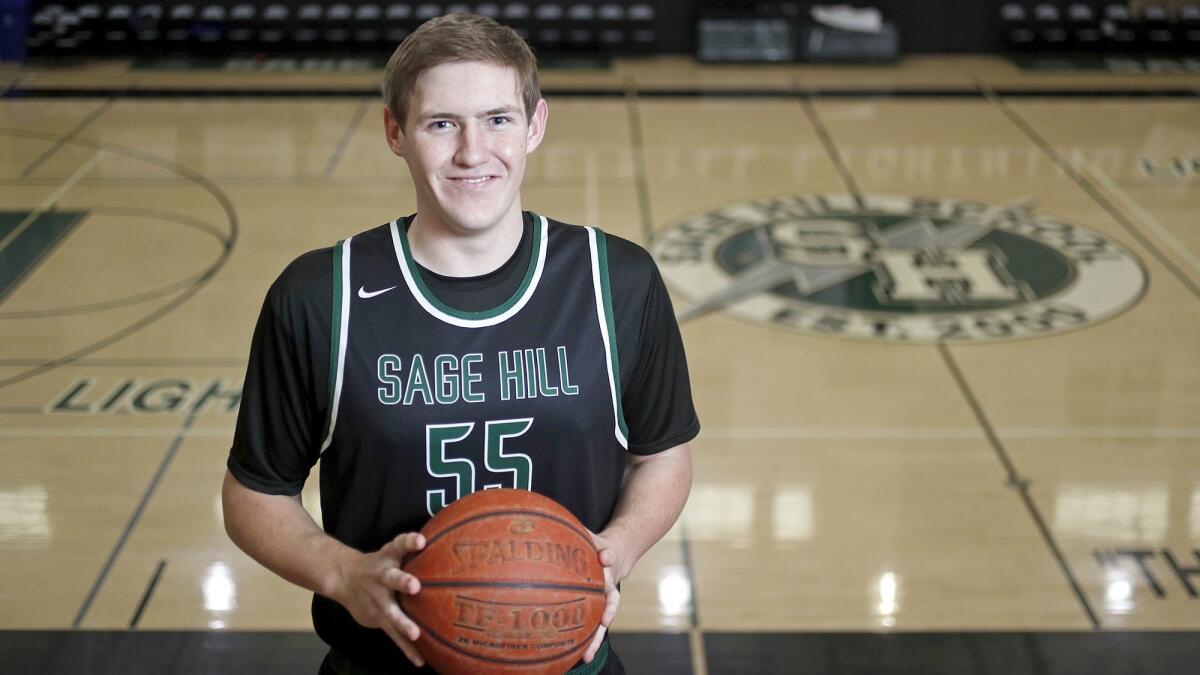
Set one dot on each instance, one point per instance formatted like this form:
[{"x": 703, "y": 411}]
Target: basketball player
[{"x": 470, "y": 345}]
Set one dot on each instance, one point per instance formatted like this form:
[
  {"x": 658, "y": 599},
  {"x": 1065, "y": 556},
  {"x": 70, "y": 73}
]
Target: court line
[
  {"x": 695, "y": 635},
  {"x": 945, "y": 433},
  {"x": 340, "y": 150},
  {"x": 285, "y": 181},
  {"x": 591, "y": 189},
  {"x": 1150, "y": 221},
  {"x": 1018, "y": 483},
  {"x": 42, "y": 256},
  {"x": 153, "y": 584},
  {"x": 8, "y": 86},
  {"x": 154, "y": 294},
  {"x": 639, "y": 158},
  {"x": 116, "y": 432},
  {"x": 136, "y": 362},
  {"x": 699, "y": 656},
  {"x": 133, "y": 521},
  {"x": 52, "y": 199},
  {"x": 1080, "y": 180},
  {"x": 810, "y": 111},
  {"x": 881, "y": 92},
  {"x": 748, "y": 434},
  {"x": 68, "y": 137},
  {"x": 198, "y": 179}
]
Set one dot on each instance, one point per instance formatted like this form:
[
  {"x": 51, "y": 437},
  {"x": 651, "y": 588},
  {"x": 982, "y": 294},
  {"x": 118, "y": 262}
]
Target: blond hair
[{"x": 455, "y": 38}]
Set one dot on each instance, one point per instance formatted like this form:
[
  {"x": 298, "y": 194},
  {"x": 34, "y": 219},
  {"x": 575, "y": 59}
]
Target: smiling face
[{"x": 465, "y": 140}]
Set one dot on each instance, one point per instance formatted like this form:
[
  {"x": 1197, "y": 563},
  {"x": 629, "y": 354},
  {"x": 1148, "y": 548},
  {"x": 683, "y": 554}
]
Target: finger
[
  {"x": 407, "y": 543},
  {"x": 407, "y": 627},
  {"x": 611, "y": 603},
  {"x": 400, "y": 581},
  {"x": 595, "y": 646},
  {"x": 607, "y": 558},
  {"x": 405, "y": 646}
]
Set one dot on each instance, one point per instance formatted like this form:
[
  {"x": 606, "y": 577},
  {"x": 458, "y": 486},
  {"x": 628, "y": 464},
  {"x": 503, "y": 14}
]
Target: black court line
[
  {"x": 133, "y": 521},
  {"x": 153, "y": 584},
  {"x": 340, "y": 150},
  {"x": 1090, "y": 189},
  {"x": 95, "y": 115},
  {"x": 835, "y": 156},
  {"x": 1018, "y": 483},
  {"x": 8, "y": 86},
  {"x": 57, "y": 238},
  {"x": 1014, "y": 479},
  {"x": 199, "y": 180},
  {"x": 639, "y": 160},
  {"x": 643, "y": 191},
  {"x": 714, "y": 92},
  {"x": 153, "y": 294},
  {"x": 135, "y": 362},
  {"x": 690, "y": 569}
]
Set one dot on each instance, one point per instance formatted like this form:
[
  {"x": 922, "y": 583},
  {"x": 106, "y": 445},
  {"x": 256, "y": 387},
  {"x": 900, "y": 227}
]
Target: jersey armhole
[
  {"x": 339, "y": 327},
  {"x": 608, "y": 331}
]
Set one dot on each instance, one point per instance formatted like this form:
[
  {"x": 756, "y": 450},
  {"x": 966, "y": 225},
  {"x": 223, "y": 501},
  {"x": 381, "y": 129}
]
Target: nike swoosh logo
[{"x": 364, "y": 294}]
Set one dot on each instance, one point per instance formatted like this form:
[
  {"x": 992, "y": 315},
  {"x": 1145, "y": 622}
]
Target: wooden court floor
[{"x": 942, "y": 320}]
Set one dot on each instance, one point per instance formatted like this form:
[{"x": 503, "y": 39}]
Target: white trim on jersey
[
  {"x": 344, "y": 334},
  {"x": 608, "y": 357},
  {"x": 458, "y": 321}
]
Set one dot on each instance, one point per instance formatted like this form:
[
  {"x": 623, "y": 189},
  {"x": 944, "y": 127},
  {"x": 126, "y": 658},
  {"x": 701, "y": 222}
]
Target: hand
[
  {"x": 615, "y": 570},
  {"x": 367, "y": 585}
]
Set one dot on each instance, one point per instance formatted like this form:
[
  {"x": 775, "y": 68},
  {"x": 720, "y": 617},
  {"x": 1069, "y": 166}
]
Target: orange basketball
[{"x": 510, "y": 583}]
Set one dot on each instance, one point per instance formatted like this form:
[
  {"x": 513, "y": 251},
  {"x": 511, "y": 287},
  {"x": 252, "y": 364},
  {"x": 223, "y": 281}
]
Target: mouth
[{"x": 473, "y": 181}]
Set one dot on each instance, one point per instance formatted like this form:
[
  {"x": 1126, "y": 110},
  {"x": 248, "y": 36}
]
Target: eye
[
  {"x": 501, "y": 120},
  {"x": 439, "y": 124}
]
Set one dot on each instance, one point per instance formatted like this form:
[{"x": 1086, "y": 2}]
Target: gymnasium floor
[{"x": 943, "y": 323}]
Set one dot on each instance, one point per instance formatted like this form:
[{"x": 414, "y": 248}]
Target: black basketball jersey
[{"x": 430, "y": 403}]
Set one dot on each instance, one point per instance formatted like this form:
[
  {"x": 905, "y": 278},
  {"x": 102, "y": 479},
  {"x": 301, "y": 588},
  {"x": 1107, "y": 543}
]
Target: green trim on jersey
[
  {"x": 606, "y": 294},
  {"x": 340, "y": 301},
  {"x": 536, "y": 242}
]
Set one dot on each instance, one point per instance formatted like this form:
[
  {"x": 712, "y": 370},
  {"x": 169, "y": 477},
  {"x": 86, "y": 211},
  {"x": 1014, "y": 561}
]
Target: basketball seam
[
  {"x": 481, "y": 516},
  {"x": 520, "y": 662},
  {"x": 521, "y": 604},
  {"x": 522, "y": 585}
]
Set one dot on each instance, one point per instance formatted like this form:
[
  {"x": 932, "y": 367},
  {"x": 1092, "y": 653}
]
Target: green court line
[{"x": 32, "y": 245}]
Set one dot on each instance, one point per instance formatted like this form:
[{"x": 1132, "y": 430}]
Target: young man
[{"x": 468, "y": 346}]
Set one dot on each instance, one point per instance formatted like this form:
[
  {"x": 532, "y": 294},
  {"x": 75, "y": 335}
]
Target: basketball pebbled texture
[{"x": 510, "y": 583}]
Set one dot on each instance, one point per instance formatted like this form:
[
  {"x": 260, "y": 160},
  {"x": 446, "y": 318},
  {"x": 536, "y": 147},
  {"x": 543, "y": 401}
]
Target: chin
[
  {"x": 472, "y": 220},
  {"x": 475, "y": 217}
]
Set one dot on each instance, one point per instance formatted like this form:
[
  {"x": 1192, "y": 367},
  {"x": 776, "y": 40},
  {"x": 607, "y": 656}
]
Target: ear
[
  {"x": 537, "y": 126},
  {"x": 394, "y": 132}
]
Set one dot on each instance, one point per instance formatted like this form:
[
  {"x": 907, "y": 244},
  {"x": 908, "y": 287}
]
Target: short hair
[{"x": 456, "y": 38}]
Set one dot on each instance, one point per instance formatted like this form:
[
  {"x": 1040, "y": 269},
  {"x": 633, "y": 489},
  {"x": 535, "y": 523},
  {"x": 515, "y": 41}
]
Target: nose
[{"x": 470, "y": 146}]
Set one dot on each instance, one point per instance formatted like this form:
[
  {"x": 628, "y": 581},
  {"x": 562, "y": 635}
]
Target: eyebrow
[{"x": 503, "y": 110}]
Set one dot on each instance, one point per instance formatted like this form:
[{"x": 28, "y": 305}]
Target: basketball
[{"x": 510, "y": 583}]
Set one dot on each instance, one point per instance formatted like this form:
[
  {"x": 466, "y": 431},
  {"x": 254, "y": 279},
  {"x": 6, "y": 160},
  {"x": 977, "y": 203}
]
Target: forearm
[
  {"x": 652, "y": 497},
  {"x": 276, "y": 531}
]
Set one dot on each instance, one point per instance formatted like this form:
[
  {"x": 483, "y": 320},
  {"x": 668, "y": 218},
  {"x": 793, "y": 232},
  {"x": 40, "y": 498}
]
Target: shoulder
[
  {"x": 632, "y": 272},
  {"x": 626, "y": 258},
  {"x": 304, "y": 289}
]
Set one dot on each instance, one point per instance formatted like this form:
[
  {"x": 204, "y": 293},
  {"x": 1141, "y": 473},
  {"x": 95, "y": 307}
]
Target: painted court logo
[{"x": 897, "y": 268}]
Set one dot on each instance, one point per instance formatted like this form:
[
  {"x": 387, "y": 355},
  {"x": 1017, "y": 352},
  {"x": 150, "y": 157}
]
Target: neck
[{"x": 457, "y": 252}]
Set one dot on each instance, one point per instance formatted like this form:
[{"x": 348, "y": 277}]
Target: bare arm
[
  {"x": 655, "y": 489},
  {"x": 276, "y": 531}
]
